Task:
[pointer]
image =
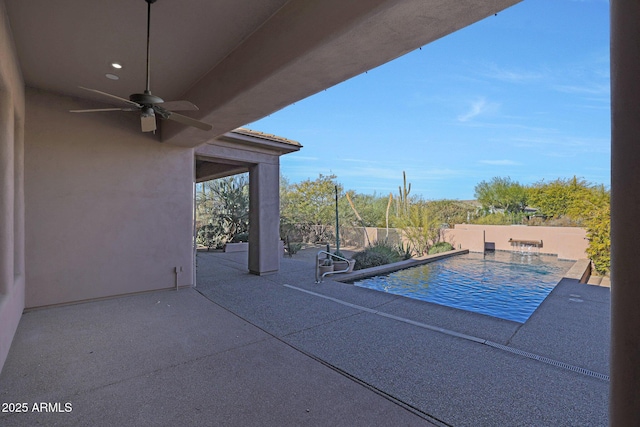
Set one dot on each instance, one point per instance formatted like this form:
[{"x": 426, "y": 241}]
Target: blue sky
[{"x": 524, "y": 94}]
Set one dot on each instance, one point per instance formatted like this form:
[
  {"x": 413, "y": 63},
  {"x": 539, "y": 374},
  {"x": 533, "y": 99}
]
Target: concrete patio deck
[{"x": 282, "y": 350}]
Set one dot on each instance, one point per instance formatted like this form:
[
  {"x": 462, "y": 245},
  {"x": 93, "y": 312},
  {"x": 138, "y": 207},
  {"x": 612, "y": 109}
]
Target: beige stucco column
[
  {"x": 7, "y": 146},
  {"x": 625, "y": 213},
  {"x": 264, "y": 218},
  {"x": 18, "y": 201}
]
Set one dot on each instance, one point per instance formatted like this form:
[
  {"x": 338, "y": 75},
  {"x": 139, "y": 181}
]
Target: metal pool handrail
[{"x": 320, "y": 278}]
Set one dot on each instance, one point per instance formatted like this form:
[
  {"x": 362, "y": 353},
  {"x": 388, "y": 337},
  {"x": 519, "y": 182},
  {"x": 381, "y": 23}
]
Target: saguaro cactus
[{"x": 403, "y": 208}]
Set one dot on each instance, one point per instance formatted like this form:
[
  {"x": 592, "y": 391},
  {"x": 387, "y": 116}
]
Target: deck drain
[{"x": 548, "y": 361}]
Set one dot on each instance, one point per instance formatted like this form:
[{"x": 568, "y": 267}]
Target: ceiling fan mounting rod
[
  {"x": 146, "y": 98},
  {"x": 149, "y": 3}
]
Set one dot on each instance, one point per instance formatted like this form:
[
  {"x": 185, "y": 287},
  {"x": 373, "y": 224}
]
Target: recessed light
[
  {"x": 116, "y": 65},
  {"x": 111, "y": 76}
]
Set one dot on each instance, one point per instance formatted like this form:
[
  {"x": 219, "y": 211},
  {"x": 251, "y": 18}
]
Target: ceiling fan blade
[
  {"x": 96, "y": 110},
  {"x": 178, "y": 106},
  {"x": 111, "y": 96},
  {"x": 188, "y": 121},
  {"x": 148, "y": 123},
  {"x": 147, "y": 104}
]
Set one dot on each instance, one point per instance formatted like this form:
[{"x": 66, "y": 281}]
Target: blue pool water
[{"x": 501, "y": 284}]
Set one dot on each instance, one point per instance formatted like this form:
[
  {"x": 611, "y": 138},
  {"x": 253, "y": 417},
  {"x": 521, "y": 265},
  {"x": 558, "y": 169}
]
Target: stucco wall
[
  {"x": 12, "y": 269},
  {"x": 472, "y": 238},
  {"x": 108, "y": 208},
  {"x": 567, "y": 242}
]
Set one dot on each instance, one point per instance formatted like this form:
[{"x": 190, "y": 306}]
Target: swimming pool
[{"x": 507, "y": 285}]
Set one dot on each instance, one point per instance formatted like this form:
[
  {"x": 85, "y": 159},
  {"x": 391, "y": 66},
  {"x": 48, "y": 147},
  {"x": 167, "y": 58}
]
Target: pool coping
[
  {"x": 581, "y": 270},
  {"x": 390, "y": 268}
]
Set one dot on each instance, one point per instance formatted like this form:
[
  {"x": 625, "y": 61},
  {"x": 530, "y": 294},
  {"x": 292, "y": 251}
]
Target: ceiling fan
[{"x": 149, "y": 105}]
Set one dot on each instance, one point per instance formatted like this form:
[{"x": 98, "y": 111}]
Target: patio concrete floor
[{"x": 280, "y": 350}]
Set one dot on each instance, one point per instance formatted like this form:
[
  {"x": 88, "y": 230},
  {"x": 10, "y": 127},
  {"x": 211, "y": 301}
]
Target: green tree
[
  {"x": 371, "y": 207},
  {"x": 450, "y": 212},
  {"x": 560, "y": 198},
  {"x": 501, "y": 194},
  {"x": 592, "y": 198},
  {"x": 584, "y": 204},
  {"x": 307, "y": 208},
  {"x": 592, "y": 211}
]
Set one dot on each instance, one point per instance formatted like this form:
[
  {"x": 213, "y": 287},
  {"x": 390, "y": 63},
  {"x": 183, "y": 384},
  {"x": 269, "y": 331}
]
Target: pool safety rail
[{"x": 330, "y": 256}]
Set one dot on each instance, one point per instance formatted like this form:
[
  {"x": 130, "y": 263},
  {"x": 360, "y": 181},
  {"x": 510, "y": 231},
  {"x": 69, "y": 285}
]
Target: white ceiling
[{"x": 238, "y": 60}]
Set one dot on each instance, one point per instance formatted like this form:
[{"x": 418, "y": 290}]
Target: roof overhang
[
  {"x": 236, "y": 151},
  {"x": 238, "y": 60}
]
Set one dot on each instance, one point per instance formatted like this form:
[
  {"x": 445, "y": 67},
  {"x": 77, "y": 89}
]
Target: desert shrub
[
  {"x": 240, "y": 237},
  {"x": 420, "y": 227},
  {"x": 405, "y": 250},
  {"x": 493, "y": 219},
  {"x": 599, "y": 235},
  {"x": 223, "y": 203},
  {"x": 440, "y": 247},
  {"x": 367, "y": 259},
  {"x": 375, "y": 255},
  {"x": 563, "y": 221},
  {"x": 211, "y": 236},
  {"x": 387, "y": 250},
  {"x": 293, "y": 247}
]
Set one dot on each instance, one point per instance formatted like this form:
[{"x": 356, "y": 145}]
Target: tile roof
[{"x": 267, "y": 136}]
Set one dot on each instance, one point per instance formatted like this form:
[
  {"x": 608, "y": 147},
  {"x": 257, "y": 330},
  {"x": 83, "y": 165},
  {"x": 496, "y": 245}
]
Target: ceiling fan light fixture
[{"x": 148, "y": 112}]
